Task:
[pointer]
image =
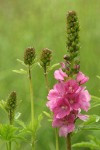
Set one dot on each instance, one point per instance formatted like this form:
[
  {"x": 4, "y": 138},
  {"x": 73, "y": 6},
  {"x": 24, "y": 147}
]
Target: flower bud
[
  {"x": 72, "y": 32},
  {"x": 45, "y": 57},
  {"x": 11, "y": 101},
  {"x": 11, "y": 105},
  {"x": 29, "y": 56}
]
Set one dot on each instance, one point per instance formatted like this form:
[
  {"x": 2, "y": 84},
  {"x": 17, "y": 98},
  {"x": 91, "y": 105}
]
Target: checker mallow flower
[{"x": 66, "y": 100}]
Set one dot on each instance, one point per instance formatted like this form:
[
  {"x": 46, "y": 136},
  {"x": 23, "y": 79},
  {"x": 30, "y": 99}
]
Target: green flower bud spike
[
  {"x": 29, "y": 56},
  {"x": 11, "y": 106},
  {"x": 45, "y": 58},
  {"x": 72, "y": 43}
]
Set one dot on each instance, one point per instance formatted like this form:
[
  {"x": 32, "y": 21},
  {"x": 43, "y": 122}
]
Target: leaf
[
  {"x": 21, "y": 123},
  {"x": 95, "y": 102},
  {"x": 95, "y": 98},
  {"x": 47, "y": 114},
  {"x": 17, "y": 115},
  {"x": 53, "y": 66},
  {"x": 98, "y": 77},
  {"x": 3, "y": 105},
  {"x": 92, "y": 119},
  {"x": 93, "y": 127},
  {"x": 87, "y": 144},
  {"x": 94, "y": 105},
  {"x": 21, "y": 71},
  {"x": 22, "y": 62},
  {"x": 8, "y": 132}
]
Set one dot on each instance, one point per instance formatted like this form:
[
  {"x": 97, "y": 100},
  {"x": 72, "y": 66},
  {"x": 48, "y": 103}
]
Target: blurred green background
[{"x": 41, "y": 24}]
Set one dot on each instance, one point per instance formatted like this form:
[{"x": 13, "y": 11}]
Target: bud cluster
[
  {"x": 29, "y": 56},
  {"x": 72, "y": 60},
  {"x": 11, "y": 105},
  {"x": 45, "y": 57}
]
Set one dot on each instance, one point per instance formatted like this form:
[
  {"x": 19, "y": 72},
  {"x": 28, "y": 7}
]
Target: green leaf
[
  {"x": 87, "y": 144},
  {"x": 21, "y": 123},
  {"x": 95, "y": 98},
  {"x": 22, "y": 62},
  {"x": 98, "y": 77},
  {"x": 47, "y": 114},
  {"x": 53, "y": 66},
  {"x": 92, "y": 119},
  {"x": 93, "y": 127},
  {"x": 8, "y": 132},
  {"x": 3, "y": 105},
  {"x": 21, "y": 71},
  {"x": 17, "y": 115}
]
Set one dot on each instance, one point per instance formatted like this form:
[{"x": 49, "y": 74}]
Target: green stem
[
  {"x": 32, "y": 104},
  {"x": 10, "y": 122},
  {"x": 47, "y": 86},
  {"x": 46, "y": 78},
  {"x": 7, "y": 147},
  {"x": 69, "y": 141},
  {"x": 57, "y": 140}
]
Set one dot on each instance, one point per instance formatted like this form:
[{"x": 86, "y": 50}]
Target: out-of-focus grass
[{"x": 41, "y": 24}]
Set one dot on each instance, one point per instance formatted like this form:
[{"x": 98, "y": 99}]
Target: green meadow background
[{"x": 41, "y": 24}]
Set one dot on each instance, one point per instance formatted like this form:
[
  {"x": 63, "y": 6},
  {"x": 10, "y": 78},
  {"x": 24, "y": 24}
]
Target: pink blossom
[
  {"x": 65, "y": 129},
  {"x": 66, "y": 100},
  {"x": 66, "y": 124},
  {"x": 60, "y": 75},
  {"x": 62, "y": 109},
  {"x": 71, "y": 86},
  {"x": 83, "y": 117},
  {"x": 55, "y": 95},
  {"x": 84, "y": 98},
  {"x": 81, "y": 78}
]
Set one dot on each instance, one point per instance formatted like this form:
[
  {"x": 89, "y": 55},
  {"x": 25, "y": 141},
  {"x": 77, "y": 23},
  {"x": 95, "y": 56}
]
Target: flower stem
[
  {"x": 69, "y": 141},
  {"x": 7, "y": 147},
  {"x": 10, "y": 122},
  {"x": 47, "y": 86},
  {"x": 32, "y": 104},
  {"x": 57, "y": 140},
  {"x": 46, "y": 78}
]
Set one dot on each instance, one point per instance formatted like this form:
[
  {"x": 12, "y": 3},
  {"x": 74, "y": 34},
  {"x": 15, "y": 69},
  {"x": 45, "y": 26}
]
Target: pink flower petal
[
  {"x": 81, "y": 78},
  {"x": 60, "y": 75},
  {"x": 83, "y": 117},
  {"x": 64, "y": 130}
]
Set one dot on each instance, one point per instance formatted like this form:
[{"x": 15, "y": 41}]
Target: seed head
[
  {"x": 29, "y": 56},
  {"x": 45, "y": 57},
  {"x": 11, "y": 101}
]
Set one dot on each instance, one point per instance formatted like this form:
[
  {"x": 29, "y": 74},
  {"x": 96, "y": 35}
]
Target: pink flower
[
  {"x": 62, "y": 109},
  {"x": 81, "y": 78},
  {"x": 84, "y": 98},
  {"x": 66, "y": 124},
  {"x": 55, "y": 94},
  {"x": 83, "y": 117},
  {"x": 60, "y": 75},
  {"x": 71, "y": 86},
  {"x": 65, "y": 129},
  {"x": 66, "y": 100}
]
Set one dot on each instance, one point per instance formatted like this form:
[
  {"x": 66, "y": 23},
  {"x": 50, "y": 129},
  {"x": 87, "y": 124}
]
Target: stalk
[
  {"x": 57, "y": 139},
  {"x": 7, "y": 147},
  {"x": 32, "y": 103},
  {"x": 56, "y": 131},
  {"x": 69, "y": 141}
]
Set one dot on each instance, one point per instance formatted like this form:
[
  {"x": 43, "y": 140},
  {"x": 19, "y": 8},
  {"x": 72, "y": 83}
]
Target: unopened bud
[
  {"x": 29, "y": 56},
  {"x": 45, "y": 57}
]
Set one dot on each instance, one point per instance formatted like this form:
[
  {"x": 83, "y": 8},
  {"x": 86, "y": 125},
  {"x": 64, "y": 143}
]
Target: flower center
[
  {"x": 71, "y": 101},
  {"x": 64, "y": 107},
  {"x": 71, "y": 89}
]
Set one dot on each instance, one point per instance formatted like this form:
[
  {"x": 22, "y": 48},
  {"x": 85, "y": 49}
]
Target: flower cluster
[{"x": 66, "y": 100}]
